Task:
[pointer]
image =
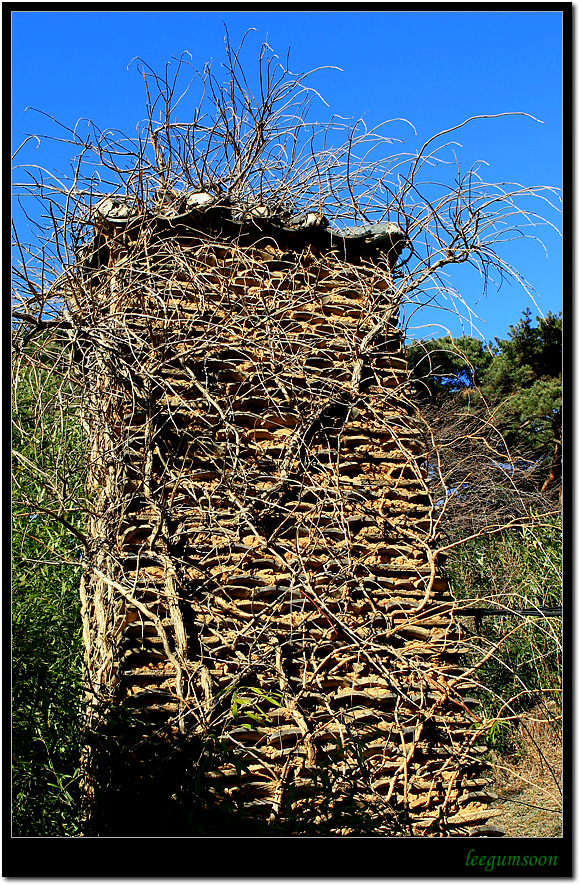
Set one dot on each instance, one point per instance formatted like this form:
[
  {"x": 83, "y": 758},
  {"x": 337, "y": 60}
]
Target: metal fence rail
[{"x": 550, "y": 612}]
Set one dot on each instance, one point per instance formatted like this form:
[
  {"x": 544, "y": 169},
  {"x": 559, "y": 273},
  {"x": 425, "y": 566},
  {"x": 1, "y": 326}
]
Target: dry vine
[{"x": 261, "y": 572}]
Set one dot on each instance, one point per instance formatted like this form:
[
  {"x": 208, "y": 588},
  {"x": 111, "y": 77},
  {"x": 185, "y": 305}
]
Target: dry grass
[{"x": 529, "y": 784}]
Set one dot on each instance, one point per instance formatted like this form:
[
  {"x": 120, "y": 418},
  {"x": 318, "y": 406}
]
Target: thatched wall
[{"x": 269, "y": 644}]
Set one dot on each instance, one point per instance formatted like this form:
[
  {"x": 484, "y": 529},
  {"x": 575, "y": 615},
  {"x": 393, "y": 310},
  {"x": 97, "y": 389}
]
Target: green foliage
[
  {"x": 46, "y": 631},
  {"x": 501, "y": 738},
  {"x": 46, "y": 673},
  {"x": 513, "y": 570},
  {"x": 517, "y": 381},
  {"x": 525, "y": 382},
  {"x": 519, "y": 566},
  {"x": 447, "y": 365},
  {"x": 538, "y": 349},
  {"x": 495, "y": 414},
  {"x": 248, "y": 703}
]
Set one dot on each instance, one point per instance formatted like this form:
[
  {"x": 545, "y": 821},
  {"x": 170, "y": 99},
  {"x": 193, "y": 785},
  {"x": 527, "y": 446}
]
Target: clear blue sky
[{"x": 433, "y": 68}]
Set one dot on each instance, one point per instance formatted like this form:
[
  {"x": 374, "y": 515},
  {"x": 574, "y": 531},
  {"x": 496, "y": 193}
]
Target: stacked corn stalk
[{"x": 262, "y": 600}]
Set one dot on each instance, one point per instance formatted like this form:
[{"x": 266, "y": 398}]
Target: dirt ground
[{"x": 528, "y": 786}]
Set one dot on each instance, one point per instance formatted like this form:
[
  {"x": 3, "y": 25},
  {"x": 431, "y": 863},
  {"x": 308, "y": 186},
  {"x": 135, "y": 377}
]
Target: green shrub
[
  {"x": 513, "y": 570},
  {"x": 46, "y": 623}
]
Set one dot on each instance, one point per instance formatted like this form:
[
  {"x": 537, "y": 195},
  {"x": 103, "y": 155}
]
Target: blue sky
[{"x": 432, "y": 68}]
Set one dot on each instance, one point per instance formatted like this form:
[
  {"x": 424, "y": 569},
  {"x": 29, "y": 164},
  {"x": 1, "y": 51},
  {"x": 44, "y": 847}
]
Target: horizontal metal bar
[{"x": 505, "y": 613}]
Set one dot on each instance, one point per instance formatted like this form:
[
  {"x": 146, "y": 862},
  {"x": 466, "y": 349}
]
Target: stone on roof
[{"x": 237, "y": 218}]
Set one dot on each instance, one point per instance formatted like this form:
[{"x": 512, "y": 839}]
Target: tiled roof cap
[{"x": 191, "y": 207}]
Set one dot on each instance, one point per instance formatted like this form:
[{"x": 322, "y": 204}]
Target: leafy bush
[
  {"x": 513, "y": 570},
  {"x": 46, "y": 672},
  {"x": 46, "y": 631}
]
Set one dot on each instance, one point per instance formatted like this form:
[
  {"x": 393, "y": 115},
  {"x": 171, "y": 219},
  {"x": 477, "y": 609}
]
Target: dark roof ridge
[{"x": 241, "y": 217}]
